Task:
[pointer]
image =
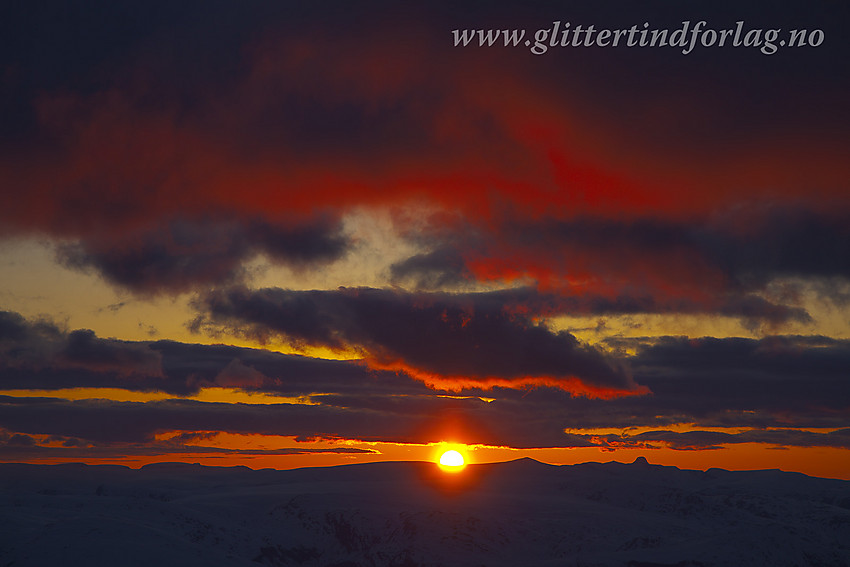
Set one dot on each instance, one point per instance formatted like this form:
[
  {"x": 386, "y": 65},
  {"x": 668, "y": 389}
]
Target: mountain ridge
[{"x": 410, "y": 514}]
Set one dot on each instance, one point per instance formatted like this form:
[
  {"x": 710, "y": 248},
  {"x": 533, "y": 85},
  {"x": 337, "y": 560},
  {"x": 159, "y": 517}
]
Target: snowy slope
[{"x": 410, "y": 514}]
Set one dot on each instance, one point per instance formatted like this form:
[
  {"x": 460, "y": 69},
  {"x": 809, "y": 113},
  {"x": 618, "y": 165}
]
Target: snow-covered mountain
[{"x": 520, "y": 513}]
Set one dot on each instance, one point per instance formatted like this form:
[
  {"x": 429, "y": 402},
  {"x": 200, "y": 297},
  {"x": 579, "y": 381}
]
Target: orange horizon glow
[{"x": 824, "y": 462}]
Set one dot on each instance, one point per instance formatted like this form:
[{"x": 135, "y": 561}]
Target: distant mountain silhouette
[{"x": 410, "y": 514}]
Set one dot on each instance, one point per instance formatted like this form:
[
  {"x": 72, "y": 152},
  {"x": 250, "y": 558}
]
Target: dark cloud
[
  {"x": 772, "y": 382},
  {"x": 11, "y": 453},
  {"x": 197, "y": 366},
  {"x": 39, "y": 355},
  {"x": 773, "y": 358},
  {"x": 498, "y": 422},
  {"x": 18, "y": 440},
  {"x": 440, "y": 268},
  {"x": 464, "y": 337},
  {"x": 716, "y": 263},
  {"x": 756, "y": 244},
  {"x": 702, "y": 440},
  {"x": 181, "y": 255},
  {"x": 23, "y": 447},
  {"x": 749, "y": 243},
  {"x": 401, "y": 419},
  {"x": 15, "y": 329},
  {"x": 286, "y": 109},
  {"x": 747, "y": 263},
  {"x": 775, "y": 382},
  {"x": 84, "y": 349},
  {"x": 103, "y": 421},
  {"x": 167, "y": 172}
]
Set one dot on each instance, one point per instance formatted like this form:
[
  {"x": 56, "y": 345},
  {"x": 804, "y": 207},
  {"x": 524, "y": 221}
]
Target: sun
[{"x": 452, "y": 461}]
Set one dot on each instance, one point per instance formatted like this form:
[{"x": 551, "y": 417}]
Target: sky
[{"x": 279, "y": 234}]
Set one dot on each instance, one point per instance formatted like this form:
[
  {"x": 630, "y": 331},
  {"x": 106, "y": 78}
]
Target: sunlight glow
[{"x": 451, "y": 461}]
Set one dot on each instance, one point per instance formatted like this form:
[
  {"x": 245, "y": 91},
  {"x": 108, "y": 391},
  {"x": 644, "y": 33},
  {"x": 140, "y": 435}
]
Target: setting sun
[{"x": 451, "y": 461}]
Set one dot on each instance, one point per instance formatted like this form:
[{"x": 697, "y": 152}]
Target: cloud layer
[
  {"x": 467, "y": 339},
  {"x": 166, "y": 175},
  {"x": 176, "y": 151},
  {"x": 777, "y": 389}
]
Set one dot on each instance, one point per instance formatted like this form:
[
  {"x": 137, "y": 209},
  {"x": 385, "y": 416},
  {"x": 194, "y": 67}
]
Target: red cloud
[{"x": 312, "y": 123}]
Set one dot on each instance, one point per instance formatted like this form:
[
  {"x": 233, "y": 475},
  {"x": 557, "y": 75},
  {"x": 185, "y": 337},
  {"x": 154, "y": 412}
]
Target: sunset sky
[{"x": 285, "y": 234}]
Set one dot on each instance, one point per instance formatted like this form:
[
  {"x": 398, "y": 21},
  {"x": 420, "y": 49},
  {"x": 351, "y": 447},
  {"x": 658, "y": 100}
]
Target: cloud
[
  {"x": 23, "y": 342},
  {"x": 84, "y": 349},
  {"x": 771, "y": 357},
  {"x": 18, "y": 440},
  {"x": 139, "y": 422},
  {"x": 470, "y": 340},
  {"x": 181, "y": 255},
  {"x": 440, "y": 268},
  {"x": 775, "y": 382},
  {"x": 238, "y": 375},
  {"x": 719, "y": 263},
  {"x": 778, "y": 381},
  {"x": 40, "y": 355},
  {"x": 13, "y": 453},
  {"x": 134, "y": 136},
  {"x": 538, "y": 423},
  {"x": 702, "y": 440},
  {"x": 400, "y": 419},
  {"x": 23, "y": 447},
  {"x": 166, "y": 174}
]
